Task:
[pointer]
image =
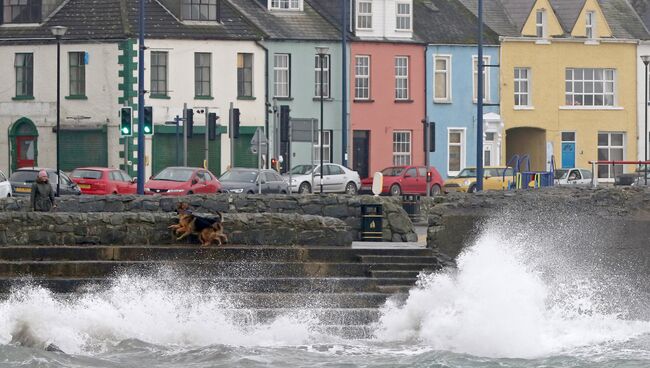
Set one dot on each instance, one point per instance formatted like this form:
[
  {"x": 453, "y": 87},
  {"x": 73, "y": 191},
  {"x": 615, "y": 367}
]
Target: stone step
[
  {"x": 346, "y": 332},
  {"x": 395, "y": 274},
  {"x": 227, "y": 284},
  {"x": 185, "y": 252},
  {"x": 394, "y": 289},
  {"x": 400, "y": 266},
  {"x": 330, "y": 316},
  {"x": 412, "y": 258}
]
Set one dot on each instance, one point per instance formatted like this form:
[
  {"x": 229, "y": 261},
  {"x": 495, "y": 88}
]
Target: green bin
[{"x": 372, "y": 220}]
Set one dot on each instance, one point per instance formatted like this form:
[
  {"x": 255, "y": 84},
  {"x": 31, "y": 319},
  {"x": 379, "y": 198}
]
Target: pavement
[{"x": 420, "y": 230}]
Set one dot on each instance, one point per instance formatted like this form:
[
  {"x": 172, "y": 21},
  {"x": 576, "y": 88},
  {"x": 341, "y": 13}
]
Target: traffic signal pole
[
  {"x": 141, "y": 49},
  {"x": 205, "y": 163},
  {"x": 185, "y": 134},
  {"x": 232, "y": 135}
]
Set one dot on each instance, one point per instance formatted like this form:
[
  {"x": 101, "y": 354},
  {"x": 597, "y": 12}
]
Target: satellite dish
[{"x": 377, "y": 183}]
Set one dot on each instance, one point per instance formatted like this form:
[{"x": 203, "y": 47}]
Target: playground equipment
[{"x": 524, "y": 179}]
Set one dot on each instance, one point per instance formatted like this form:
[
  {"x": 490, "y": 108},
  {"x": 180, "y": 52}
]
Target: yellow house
[{"x": 568, "y": 78}]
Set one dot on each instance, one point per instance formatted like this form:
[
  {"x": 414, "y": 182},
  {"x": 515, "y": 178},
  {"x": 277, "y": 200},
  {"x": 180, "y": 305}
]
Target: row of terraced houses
[{"x": 563, "y": 79}]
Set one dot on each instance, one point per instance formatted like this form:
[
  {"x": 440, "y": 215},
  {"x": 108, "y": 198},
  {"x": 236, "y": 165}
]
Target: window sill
[
  {"x": 363, "y": 101},
  {"x": 524, "y": 108},
  {"x": 617, "y": 108},
  {"x": 403, "y": 101},
  {"x": 76, "y": 97},
  {"x": 160, "y": 97},
  {"x": 283, "y": 98},
  {"x": 592, "y": 42},
  {"x": 325, "y": 99},
  {"x": 189, "y": 22},
  {"x": 484, "y": 101},
  {"x": 246, "y": 98},
  {"x": 22, "y": 98},
  {"x": 442, "y": 101},
  {"x": 543, "y": 42},
  {"x": 203, "y": 98}
]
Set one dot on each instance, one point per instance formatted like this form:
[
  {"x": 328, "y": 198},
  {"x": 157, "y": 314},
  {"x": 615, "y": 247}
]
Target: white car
[
  {"x": 336, "y": 179},
  {"x": 5, "y": 186},
  {"x": 573, "y": 176}
]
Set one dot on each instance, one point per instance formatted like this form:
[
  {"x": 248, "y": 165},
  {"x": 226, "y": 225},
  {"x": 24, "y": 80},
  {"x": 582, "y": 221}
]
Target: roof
[
  {"x": 330, "y": 10},
  {"x": 567, "y": 12},
  {"x": 495, "y": 16},
  {"x": 448, "y": 22},
  {"x": 623, "y": 20},
  {"x": 292, "y": 25}
]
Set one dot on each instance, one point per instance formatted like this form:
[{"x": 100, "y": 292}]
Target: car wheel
[
  {"x": 283, "y": 192},
  {"x": 435, "y": 190},
  {"x": 351, "y": 188},
  {"x": 472, "y": 189},
  {"x": 304, "y": 188},
  {"x": 395, "y": 190},
  {"x": 190, "y": 193},
  {"x": 250, "y": 192}
]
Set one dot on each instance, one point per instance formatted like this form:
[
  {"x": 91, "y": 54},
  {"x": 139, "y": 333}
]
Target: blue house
[{"x": 450, "y": 32}]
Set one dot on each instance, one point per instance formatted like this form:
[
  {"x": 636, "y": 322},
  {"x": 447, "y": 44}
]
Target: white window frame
[
  {"x": 402, "y": 149},
  {"x": 463, "y": 147},
  {"x": 402, "y": 19},
  {"x": 358, "y": 77},
  {"x": 327, "y": 148},
  {"x": 326, "y": 76},
  {"x": 364, "y": 17},
  {"x": 401, "y": 78},
  {"x": 285, "y": 5},
  {"x": 486, "y": 79},
  {"x": 447, "y": 72},
  {"x": 579, "y": 99},
  {"x": 518, "y": 83},
  {"x": 590, "y": 26},
  {"x": 282, "y": 69},
  {"x": 540, "y": 25},
  {"x": 610, "y": 175}
]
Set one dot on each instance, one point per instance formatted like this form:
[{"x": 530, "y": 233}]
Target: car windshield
[
  {"x": 23, "y": 176},
  {"x": 560, "y": 173},
  {"x": 392, "y": 171},
  {"x": 86, "y": 174},
  {"x": 174, "y": 174},
  {"x": 467, "y": 173},
  {"x": 302, "y": 169},
  {"x": 239, "y": 176}
]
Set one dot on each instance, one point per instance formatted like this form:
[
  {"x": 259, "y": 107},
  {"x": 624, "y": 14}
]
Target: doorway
[
  {"x": 23, "y": 140},
  {"x": 360, "y": 148}
]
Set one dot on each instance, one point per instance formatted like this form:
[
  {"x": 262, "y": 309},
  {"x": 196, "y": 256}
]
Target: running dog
[{"x": 208, "y": 229}]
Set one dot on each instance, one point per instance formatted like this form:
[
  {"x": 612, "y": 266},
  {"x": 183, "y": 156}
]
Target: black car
[
  {"x": 241, "y": 180},
  {"x": 22, "y": 179}
]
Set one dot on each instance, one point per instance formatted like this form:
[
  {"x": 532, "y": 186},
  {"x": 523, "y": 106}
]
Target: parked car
[
  {"x": 241, "y": 180},
  {"x": 102, "y": 181},
  {"x": 574, "y": 176},
  {"x": 336, "y": 179},
  {"x": 406, "y": 180},
  {"x": 495, "y": 178},
  {"x": 5, "y": 186},
  {"x": 177, "y": 181},
  {"x": 23, "y": 178}
]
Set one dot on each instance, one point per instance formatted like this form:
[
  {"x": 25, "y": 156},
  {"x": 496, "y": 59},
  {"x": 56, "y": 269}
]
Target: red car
[
  {"x": 103, "y": 181},
  {"x": 406, "y": 180},
  {"x": 182, "y": 181}
]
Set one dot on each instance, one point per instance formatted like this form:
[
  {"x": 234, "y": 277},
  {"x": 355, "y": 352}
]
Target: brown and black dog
[{"x": 209, "y": 230}]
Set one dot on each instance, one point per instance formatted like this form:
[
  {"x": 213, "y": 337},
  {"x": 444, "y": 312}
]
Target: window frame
[
  {"x": 578, "y": 99},
  {"x": 154, "y": 77},
  {"x": 200, "y": 92},
  {"x": 590, "y": 24},
  {"x": 78, "y": 70},
  {"x": 327, "y": 148},
  {"x": 196, "y": 5},
  {"x": 358, "y": 77},
  {"x": 618, "y": 169},
  {"x": 278, "y": 5},
  {"x": 401, "y": 80},
  {"x": 517, "y": 84},
  {"x": 401, "y": 16},
  {"x": 399, "y": 155},
  {"x": 540, "y": 24},
  {"x": 447, "y": 73},
  {"x": 277, "y": 70},
  {"x": 327, "y": 76},
  {"x": 463, "y": 147},
  {"x": 242, "y": 81},
  {"x": 367, "y": 16},
  {"x": 26, "y": 71},
  {"x": 35, "y": 7},
  {"x": 486, "y": 79}
]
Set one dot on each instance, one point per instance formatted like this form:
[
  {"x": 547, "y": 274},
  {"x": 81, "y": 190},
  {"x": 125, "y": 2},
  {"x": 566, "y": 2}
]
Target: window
[
  {"x": 24, "y": 64},
  {"x": 244, "y": 75},
  {"x": 456, "y": 151},
  {"x": 540, "y": 22},
  {"x": 486, "y": 78},
  {"x": 159, "y": 73},
  {"x": 326, "y": 76},
  {"x": 364, "y": 14},
  {"x": 21, "y": 11},
  {"x": 327, "y": 148},
  {"x": 333, "y": 170},
  {"x": 285, "y": 4},
  {"x": 201, "y": 10},
  {"x": 202, "y": 74},
  {"x": 403, "y": 21},
  {"x": 282, "y": 75},
  {"x": 590, "y": 87},
  {"x": 77, "y": 73},
  {"x": 442, "y": 81},
  {"x": 401, "y": 148},
  {"x": 402, "y": 78},
  {"x": 522, "y": 86},
  {"x": 591, "y": 18},
  {"x": 362, "y": 77},
  {"x": 611, "y": 147}
]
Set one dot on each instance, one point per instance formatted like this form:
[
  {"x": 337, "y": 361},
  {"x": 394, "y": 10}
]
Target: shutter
[
  {"x": 243, "y": 156},
  {"x": 81, "y": 148},
  {"x": 164, "y": 152}
]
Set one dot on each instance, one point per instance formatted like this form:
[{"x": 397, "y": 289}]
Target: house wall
[
  {"x": 384, "y": 21},
  {"x": 642, "y": 49}
]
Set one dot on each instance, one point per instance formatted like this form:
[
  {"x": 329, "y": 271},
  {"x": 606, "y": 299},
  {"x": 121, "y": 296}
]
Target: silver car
[{"x": 336, "y": 179}]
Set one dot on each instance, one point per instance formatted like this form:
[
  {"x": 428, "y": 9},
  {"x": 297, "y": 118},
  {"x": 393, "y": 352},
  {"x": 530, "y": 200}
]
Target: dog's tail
[{"x": 219, "y": 217}]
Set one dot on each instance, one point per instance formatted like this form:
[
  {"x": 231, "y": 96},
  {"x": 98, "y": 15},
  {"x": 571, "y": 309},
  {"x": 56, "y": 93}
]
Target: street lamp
[
  {"x": 321, "y": 51},
  {"x": 646, "y": 60},
  {"x": 58, "y": 32}
]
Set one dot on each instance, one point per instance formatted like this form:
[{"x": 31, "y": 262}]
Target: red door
[{"x": 25, "y": 151}]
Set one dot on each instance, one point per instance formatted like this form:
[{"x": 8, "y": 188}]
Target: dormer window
[
  {"x": 591, "y": 20},
  {"x": 364, "y": 14},
  {"x": 200, "y": 10},
  {"x": 285, "y": 4},
  {"x": 403, "y": 21},
  {"x": 21, "y": 11},
  {"x": 540, "y": 23}
]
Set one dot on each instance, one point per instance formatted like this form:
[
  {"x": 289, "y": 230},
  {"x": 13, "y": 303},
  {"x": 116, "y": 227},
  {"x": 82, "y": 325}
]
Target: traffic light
[
  {"x": 189, "y": 122},
  {"x": 429, "y": 176},
  {"x": 235, "y": 123},
  {"x": 126, "y": 122},
  {"x": 274, "y": 164},
  {"x": 212, "y": 126},
  {"x": 148, "y": 120},
  {"x": 284, "y": 123},
  {"x": 432, "y": 136}
]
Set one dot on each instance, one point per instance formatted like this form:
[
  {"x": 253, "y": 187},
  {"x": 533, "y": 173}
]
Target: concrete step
[
  {"x": 331, "y": 316},
  {"x": 346, "y": 332},
  {"x": 411, "y": 258},
  {"x": 400, "y": 266},
  {"x": 185, "y": 252},
  {"x": 394, "y": 289},
  {"x": 395, "y": 274}
]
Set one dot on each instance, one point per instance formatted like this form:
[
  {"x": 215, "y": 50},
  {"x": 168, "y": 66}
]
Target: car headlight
[
  {"x": 240, "y": 190},
  {"x": 175, "y": 190},
  {"x": 294, "y": 181},
  {"x": 466, "y": 182}
]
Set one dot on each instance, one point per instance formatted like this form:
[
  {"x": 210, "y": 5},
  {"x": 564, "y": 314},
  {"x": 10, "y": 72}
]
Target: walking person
[{"x": 42, "y": 196}]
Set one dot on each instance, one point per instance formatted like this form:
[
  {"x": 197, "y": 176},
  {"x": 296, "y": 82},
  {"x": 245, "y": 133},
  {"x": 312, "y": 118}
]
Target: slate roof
[
  {"x": 567, "y": 12},
  {"x": 448, "y": 22},
  {"x": 623, "y": 20},
  {"x": 495, "y": 16},
  {"x": 289, "y": 25}
]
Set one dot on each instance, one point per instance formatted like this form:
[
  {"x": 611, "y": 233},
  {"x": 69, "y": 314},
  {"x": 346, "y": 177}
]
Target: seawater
[{"x": 516, "y": 300}]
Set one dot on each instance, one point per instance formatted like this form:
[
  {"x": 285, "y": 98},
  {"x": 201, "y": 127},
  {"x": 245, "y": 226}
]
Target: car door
[
  {"x": 336, "y": 177},
  {"x": 492, "y": 179},
  {"x": 204, "y": 184},
  {"x": 574, "y": 177},
  {"x": 67, "y": 185},
  {"x": 115, "y": 182},
  {"x": 129, "y": 186},
  {"x": 5, "y": 186},
  {"x": 282, "y": 185},
  {"x": 586, "y": 177},
  {"x": 410, "y": 180},
  {"x": 422, "y": 180}
]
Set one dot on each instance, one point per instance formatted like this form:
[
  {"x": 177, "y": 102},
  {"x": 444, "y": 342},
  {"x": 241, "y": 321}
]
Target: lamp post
[
  {"x": 646, "y": 60},
  {"x": 322, "y": 52},
  {"x": 58, "y": 32}
]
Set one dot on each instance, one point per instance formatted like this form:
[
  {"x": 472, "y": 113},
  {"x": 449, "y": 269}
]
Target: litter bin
[
  {"x": 411, "y": 204},
  {"x": 372, "y": 220}
]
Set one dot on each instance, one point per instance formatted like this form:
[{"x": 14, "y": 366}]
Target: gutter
[{"x": 568, "y": 40}]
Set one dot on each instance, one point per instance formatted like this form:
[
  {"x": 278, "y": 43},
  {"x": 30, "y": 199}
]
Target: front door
[
  {"x": 25, "y": 151},
  {"x": 568, "y": 150},
  {"x": 360, "y": 148}
]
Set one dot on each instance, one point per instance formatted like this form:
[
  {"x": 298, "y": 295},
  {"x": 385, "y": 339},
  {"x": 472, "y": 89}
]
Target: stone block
[{"x": 337, "y": 211}]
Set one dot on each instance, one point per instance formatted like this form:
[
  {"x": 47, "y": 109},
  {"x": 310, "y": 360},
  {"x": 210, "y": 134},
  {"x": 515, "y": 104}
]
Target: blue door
[{"x": 568, "y": 155}]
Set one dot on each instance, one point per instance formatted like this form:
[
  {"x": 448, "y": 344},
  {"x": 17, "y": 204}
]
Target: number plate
[
  {"x": 24, "y": 190},
  {"x": 84, "y": 186}
]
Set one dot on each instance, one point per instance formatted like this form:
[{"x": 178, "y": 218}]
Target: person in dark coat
[{"x": 42, "y": 196}]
